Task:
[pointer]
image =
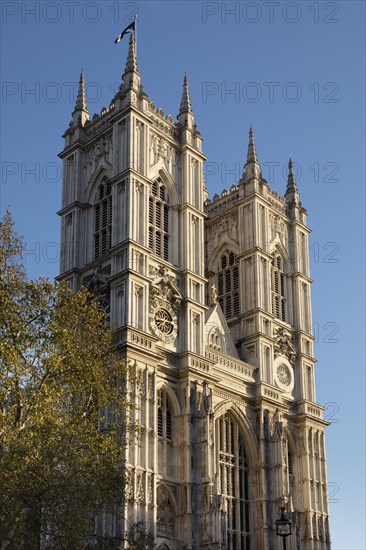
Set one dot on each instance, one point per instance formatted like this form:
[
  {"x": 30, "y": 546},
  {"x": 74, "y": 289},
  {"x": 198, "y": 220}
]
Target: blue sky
[{"x": 296, "y": 72}]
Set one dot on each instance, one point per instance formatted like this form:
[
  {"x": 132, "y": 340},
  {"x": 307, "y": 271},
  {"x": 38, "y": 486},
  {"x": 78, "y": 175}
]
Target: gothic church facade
[{"x": 210, "y": 304}]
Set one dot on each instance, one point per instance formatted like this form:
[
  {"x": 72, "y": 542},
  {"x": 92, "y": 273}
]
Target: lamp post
[{"x": 283, "y": 527}]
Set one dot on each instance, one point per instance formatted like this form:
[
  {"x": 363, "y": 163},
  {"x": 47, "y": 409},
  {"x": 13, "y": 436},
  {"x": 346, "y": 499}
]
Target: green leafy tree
[
  {"x": 140, "y": 538},
  {"x": 60, "y": 461}
]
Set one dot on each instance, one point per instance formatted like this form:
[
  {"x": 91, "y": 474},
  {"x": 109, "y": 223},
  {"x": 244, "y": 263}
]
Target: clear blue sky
[{"x": 297, "y": 74}]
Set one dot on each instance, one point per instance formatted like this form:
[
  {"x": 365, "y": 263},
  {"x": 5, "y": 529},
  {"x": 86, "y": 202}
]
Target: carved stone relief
[
  {"x": 101, "y": 151},
  {"x": 283, "y": 345},
  {"x": 98, "y": 284},
  {"x": 139, "y": 497},
  {"x": 164, "y": 287},
  {"x": 165, "y": 514}
]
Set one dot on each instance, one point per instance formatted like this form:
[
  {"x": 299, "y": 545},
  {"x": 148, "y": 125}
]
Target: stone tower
[{"x": 210, "y": 304}]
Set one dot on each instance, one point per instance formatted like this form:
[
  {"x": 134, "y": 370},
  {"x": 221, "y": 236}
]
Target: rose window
[
  {"x": 283, "y": 375},
  {"x": 164, "y": 321}
]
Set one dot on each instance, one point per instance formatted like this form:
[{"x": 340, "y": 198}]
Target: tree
[
  {"x": 61, "y": 458},
  {"x": 139, "y": 538}
]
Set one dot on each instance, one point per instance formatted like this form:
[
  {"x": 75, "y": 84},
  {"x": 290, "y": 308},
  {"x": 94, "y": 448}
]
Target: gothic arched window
[
  {"x": 228, "y": 285},
  {"x": 159, "y": 220},
  {"x": 278, "y": 288},
  {"x": 103, "y": 219},
  {"x": 233, "y": 472},
  {"x": 165, "y": 434}
]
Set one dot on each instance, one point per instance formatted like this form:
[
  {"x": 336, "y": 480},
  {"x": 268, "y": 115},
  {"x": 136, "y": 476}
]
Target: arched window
[
  {"x": 165, "y": 434},
  {"x": 228, "y": 285},
  {"x": 103, "y": 219},
  {"x": 233, "y": 471},
  {"x": 278, "y": 288},
  {"x": 164, "y": 417},
  {"x": 159, "y": 220}
]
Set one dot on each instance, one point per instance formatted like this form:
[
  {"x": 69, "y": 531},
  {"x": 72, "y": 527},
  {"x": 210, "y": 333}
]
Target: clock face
[
  {"x": 284, "y": 374},
  {"x": 163, "y": 321}
]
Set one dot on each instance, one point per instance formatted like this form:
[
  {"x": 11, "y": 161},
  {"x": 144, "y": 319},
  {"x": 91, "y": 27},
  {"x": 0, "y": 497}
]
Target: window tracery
[
  {"x": 159, "y": 219},
  {"x": 103, "y": 219},
  {"x": 233, "y": 481},
  {"x": 278, "y": 288},
  {"x": 228, "y": 285},
  {"x": 165, "y": 434}
]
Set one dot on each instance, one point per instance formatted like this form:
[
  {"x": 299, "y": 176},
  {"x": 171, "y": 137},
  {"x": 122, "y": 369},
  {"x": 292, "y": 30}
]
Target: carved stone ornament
[
  {"x": 129, "y": 492},
  {"x": 98, "y": 284},
  {"x": 165, "y": 288},
  {"x": 139, "y": 496},
  {"x": 164, "y": 302},
  {"x": 207, "y": 397},
  {"x": 165, "y": 515},
  {"x": 283, "y": 345},
  {"x": 163, "y": 321},
  {"x": 150, "y": 488},
  {"x": 213, "y": 295},
  {"x": 283, "y": 374},
  {"x": 277, "y": 425}
]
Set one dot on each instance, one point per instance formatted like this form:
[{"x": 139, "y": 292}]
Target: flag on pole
[{"x": 129, "y": 28}]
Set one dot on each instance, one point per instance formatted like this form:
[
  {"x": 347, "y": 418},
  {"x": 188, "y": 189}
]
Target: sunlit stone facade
[{"x": 210, "y": 304}]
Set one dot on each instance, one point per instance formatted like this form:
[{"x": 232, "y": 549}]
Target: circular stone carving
[
  {"x": 163, "y": 320},
  {"x": 283, "y": 375}
]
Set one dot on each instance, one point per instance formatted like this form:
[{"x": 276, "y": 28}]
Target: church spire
[
  {"x": 81, "y": 108},
  {"x": 131, "y": 76},
  {"x": 252, "y": 168},
  {"x": 252, "y": 153},
  {"x": 292, "y": 194},
  {"x": 131, "y": 64},
  {"x": 186, "y": 116},
  {"x": 291, "y": 183},
  {"x": 185, "y": 104}
]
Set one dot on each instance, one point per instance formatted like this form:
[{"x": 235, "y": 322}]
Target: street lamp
[{"x": 283, "y": 527}]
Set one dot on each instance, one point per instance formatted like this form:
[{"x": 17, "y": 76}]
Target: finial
[
  {"x": 252, "y": 168},
  {"x": 252, "y": 153},
  {"x": 185, "y": 104},
  {"x": 131, "y": 77},
  {"x": 81, "y": 104},
  {"x": 81, "y": 113},
  {"x": 131, "y": 64},
  {"x": 292, "y": 195},
  {"x": 291, "y": 183}
]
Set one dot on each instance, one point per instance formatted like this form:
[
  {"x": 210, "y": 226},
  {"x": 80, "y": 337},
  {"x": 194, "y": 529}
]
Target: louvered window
[
  {"x": 168, "y": 424},
  {"x": 289, "y": 463},
  {"x": 160, "y": 422},
  {"x": 159, "y": 220},
  {"x": 278, "y": 288},
  {"x": 103, "y": 219},
  {"x": 164, "y": 417},
  {"x": 228, "y": 285}
]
